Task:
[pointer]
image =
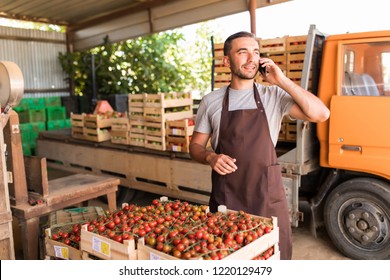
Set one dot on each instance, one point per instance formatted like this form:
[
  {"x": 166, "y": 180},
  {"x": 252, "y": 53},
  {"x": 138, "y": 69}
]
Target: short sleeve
[{"x": 202, "y": 121}]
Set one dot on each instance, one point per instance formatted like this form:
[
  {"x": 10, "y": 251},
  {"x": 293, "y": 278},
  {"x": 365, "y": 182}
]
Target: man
[{"x": 243, "y": 121}]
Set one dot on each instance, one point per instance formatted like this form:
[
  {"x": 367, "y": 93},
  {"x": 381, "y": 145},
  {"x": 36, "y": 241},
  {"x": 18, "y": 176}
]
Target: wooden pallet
[{"x": 105, "y": 248}]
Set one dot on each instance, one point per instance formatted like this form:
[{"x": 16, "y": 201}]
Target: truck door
[{"x": 359, "y": 134}]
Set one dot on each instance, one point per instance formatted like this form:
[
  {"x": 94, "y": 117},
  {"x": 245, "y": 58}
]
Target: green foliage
[{"x": 161, "y": 62}]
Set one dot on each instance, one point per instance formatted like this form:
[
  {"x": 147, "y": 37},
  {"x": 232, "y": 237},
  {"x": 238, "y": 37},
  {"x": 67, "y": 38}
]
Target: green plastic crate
[
  {"x": 35, "y": 129},
  {"x": 53, "y": 101},
  {"x": 68, "y": 123},
  {"x": 53, "y": 125},
  {"x": 32, "y": 115},
  {"x": 26, "y": 147},
  {"x": 36, "y": 103},
  {"x": 56, "y": 113}
]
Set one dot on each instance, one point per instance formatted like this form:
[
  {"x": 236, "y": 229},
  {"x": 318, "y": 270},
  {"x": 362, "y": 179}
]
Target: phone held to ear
[{"x": 262, "y": 70}]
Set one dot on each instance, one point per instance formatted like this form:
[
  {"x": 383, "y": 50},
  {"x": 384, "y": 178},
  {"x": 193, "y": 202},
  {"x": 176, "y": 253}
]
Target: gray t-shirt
[{"x": 277, "y": 103}]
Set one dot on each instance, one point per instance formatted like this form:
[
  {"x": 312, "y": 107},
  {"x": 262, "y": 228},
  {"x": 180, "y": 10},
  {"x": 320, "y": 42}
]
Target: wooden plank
[
  {"x": 15, "y": 161},
  {"x": 106, "y": 248},
  {"x": 36, "y": 175}
]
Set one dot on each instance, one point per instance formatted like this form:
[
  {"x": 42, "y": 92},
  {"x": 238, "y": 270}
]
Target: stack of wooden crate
[
  {"x": 120, "y": 130},
  {"x": 160, "y": 108},
  {"x": 95, "y": 128},
  {"x": 137, "y": 121},
  {"x": 296, "y": 46},
  {"x": 179, "y": 135}
]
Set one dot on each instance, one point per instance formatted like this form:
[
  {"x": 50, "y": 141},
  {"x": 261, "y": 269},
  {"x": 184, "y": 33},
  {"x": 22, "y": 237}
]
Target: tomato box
[
  {"x": 59, "y": 250},
  {"x": 106, "y": 248},
  {"x": 267, "y": 243},
  {"x": 168, "y": 100}
]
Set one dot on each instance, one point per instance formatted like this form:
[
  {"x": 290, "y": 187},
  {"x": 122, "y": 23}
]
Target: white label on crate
[
  {"x": 176, "y": 131},
  {"x": 61, "y": 252},
  {"x": 100, "y": 246},
  {"x": 176, "y": 148},
  {"x": 154, "y": 257}
]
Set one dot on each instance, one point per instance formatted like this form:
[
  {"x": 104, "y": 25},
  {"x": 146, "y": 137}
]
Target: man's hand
[{"x": 222, "y": 164}]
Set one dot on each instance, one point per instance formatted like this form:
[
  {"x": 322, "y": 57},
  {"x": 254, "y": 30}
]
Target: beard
[{"x": 239, "y": 73}]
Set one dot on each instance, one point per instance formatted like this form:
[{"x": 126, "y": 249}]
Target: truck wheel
[{"x": 357, "y": 218}]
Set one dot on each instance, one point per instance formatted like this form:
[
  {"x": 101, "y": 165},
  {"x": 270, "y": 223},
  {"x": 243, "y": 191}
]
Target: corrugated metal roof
[{"x": 89, "y": 21}]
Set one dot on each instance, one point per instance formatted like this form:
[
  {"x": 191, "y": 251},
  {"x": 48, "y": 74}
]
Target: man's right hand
[{"x": 222, "y": 164}]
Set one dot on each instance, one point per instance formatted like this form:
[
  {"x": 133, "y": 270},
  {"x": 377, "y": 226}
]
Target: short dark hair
[{"x": 228, "y": 43}]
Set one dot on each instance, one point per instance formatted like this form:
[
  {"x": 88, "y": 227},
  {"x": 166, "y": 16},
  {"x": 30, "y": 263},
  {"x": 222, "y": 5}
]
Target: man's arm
[
  {"x": 307, "y": 106},
  {"x": 221, "y": 163}
]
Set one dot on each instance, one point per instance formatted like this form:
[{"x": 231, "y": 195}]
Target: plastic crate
[
  {"x": 56, "y": 113},
  {"x": 32, "y": 115},
  {"x": 54, "y": 125},
  {"x": 53, "y": 101},
  {"x": 36, "y": 103}
]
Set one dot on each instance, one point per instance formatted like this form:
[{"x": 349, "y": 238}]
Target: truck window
[{"x": 366, "y": 69}]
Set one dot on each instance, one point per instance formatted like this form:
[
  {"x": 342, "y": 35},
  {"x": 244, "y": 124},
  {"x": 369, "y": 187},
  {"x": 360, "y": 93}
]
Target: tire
[{"x": 357, "y": 218}]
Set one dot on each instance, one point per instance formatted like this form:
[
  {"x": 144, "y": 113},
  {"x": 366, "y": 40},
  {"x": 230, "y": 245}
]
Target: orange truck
[
  {"x": 343, "y": 164},
  {"x": 339, "y": 168}
]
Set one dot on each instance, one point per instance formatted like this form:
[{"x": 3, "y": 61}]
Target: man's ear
[{"x": 226, "y": 61}]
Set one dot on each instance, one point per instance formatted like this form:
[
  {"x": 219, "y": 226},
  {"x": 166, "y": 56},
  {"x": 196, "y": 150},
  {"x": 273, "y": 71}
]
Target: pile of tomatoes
[
  {"x": 182, "y": 230},
  {"x": 69, "y": 235}
]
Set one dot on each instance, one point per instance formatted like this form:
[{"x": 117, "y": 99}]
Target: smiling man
[{"x": 243, "y": 121}]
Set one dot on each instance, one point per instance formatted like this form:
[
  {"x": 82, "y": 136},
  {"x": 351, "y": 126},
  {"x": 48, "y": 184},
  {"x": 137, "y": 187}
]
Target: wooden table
[{"x": 63, "y": 192}]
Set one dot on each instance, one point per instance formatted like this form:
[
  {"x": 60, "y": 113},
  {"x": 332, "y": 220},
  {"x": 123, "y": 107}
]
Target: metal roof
[{"x": 88, "y": 21}]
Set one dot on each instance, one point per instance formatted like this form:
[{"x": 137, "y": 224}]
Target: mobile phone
[{"x": 262, "y": 70}]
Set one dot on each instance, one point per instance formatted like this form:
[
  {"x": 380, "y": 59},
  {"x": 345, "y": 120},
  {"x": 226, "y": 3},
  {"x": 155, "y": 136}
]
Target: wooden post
[
  {"x": 15, "y": 161},
  {"x": 252, "y": 12}
]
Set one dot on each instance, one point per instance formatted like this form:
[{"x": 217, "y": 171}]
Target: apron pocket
[{"x": 275, "y": 184}]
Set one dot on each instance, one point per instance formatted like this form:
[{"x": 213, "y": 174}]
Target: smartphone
[{"x": 262, "y": 70}]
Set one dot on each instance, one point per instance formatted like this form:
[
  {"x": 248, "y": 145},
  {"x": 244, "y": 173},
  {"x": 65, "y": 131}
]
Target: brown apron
[{"x": 256, "y": 186}]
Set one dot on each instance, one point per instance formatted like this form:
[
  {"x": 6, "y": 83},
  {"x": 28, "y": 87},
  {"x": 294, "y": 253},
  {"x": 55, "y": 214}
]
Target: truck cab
[{"x": 354, "y": 82}]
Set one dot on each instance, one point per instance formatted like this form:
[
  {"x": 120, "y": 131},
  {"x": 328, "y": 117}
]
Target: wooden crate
[
  {"x": 120, "y": 137},
  {"x": 136, "y": 113},
  {"x": 273, "y": 45},
  {"x": 291, "y": 130},
  {"x": 137, "y": 139},
  {"x": 120, "y": 124},
  {"x": 137, "y": 126},
  {"x": 179, "y": 135},
  {"x": 105, "y": 248},
  {"x": 184, "y": 127},
  {"x": 77, "y": 132},
  {"x": 136, "y": 100},
  {"x": 154, "y": 128},
  {"x": 247, "y": 252},
  {"x": 296, "y": 43},
  {"x": 168, "y": 100},
  {"x": 59, "y": 250},
  {"x": 74, "y": 215},
  {"x": 77, "y": 120},
  {"x": 155, "y": 142},
  {"x": 295, "y": 61},
  {"x": 218, "y": 54},
  {"x": 161, "y": 115},
  {"x": 96, "y": 134},
  {"x": 97, "y": 121},
  {"x": 282, "y": 132}
]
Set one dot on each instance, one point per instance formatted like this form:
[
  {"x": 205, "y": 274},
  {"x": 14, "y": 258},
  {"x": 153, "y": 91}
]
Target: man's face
[{"x": 243, "y": 58}]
